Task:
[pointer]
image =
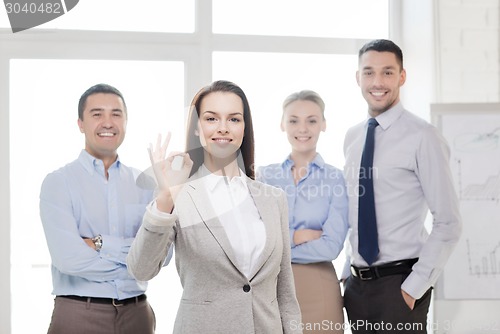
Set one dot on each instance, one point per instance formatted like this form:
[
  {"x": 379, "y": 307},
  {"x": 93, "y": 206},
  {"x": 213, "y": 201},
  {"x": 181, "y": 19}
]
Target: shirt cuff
[
  {"x": 346, "y": 270},
  {"x": 115, "y": 248},
  {"x": 292, "y": 232},
  {"x": 415, "y": 286},
  {"x": 159, "y": 218}
]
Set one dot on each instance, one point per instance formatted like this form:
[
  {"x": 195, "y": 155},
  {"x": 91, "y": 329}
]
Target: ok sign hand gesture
[{"x": 171, "y": 173}]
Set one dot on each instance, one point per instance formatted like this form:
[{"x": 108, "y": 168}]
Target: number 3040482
[{"x": 34, "y": 8}]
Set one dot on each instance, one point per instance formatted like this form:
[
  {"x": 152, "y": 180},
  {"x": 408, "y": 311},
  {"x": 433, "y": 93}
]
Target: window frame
[{"x": 195, "y": 50}]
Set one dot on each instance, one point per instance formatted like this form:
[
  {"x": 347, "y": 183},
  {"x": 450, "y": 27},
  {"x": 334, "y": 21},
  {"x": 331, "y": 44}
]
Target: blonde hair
[{"x": 305, "y": 95}]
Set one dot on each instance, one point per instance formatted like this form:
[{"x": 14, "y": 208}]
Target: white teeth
[
  {"x": 222, "y": 140},
  {"x": 106, "y": 134},
  {"x": 378, "y": 93}
]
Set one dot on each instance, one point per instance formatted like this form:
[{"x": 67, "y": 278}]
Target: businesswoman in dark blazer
[{"x": 230, "y": 232}]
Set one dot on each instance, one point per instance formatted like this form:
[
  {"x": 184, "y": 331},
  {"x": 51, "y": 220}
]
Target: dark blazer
[{"x": 218, "y": 297}]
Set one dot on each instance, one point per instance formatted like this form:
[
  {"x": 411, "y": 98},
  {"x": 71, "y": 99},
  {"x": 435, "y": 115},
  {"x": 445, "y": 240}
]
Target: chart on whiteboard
[{"x": 473, "y": 271}]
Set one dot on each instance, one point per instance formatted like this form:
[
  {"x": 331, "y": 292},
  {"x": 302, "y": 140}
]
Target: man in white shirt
[{"x": 390, "y": 290}]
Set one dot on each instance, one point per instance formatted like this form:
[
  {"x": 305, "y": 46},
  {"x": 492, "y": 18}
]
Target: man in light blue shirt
[{"x": 91, "y": 210}]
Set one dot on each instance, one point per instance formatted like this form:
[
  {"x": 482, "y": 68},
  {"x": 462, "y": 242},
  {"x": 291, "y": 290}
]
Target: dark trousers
[
  {"x": 377, "y": 306},
  {"x": 80, "y": 317}
]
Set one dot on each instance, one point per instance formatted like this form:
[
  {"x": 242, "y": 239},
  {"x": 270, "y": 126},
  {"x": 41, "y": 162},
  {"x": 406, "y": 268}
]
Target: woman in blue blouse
[{"x": 317, "y": 202}]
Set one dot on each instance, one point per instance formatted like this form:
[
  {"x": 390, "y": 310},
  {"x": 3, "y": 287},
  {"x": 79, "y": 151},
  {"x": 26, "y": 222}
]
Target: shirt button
[{"x": 246, "y": 287}]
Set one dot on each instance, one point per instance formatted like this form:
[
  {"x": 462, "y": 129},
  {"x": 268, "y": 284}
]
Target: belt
[
  {"x": 386, "y": 269},
  {"x": 110, "y": 301}
]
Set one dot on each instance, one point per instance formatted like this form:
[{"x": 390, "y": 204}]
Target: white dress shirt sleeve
[{"x": 437, "y": 184}]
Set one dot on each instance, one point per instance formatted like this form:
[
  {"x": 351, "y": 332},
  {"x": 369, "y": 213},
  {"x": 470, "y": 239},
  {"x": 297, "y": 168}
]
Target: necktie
[{"x": 367, "y": 221}]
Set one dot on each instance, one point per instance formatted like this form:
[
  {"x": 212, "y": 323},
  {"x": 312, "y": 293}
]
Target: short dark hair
[
  {"x": 193, "y": 144},
  {"x": 383, "y": 45},
  {"x": 96, "y": 89}
]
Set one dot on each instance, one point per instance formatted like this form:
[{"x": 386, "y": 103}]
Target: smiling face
[
  {"x": 221, "y": 125},
  {"x": 303, "y": 121},
  {"x": 104, "y": 124},
  {"x": 380, "y": 76}
]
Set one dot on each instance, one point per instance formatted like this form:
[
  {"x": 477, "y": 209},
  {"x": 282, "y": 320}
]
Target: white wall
[
  {"x": 451, "y": 53},
  {"x": 467, "y": 71},
  {"x": 467, "y": 50},
  {"x": 4, "y": 201},
  {"x": 416, "y": 40},
  {"x": 451, "y": 50}
]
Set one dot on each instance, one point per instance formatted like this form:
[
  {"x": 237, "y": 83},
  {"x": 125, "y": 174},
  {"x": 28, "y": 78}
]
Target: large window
[
  {"x": 267, "y": 78},
  {"x": 122, "y": 15},
  {"x": 44, "y": 136},
  {"x": 269, "y": 48},
  {"x": 313, "y": 18}
]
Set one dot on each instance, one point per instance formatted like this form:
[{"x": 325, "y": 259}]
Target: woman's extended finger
[
  {"x": 165, "y": 144},
  {"x": 150, "y": 152},
  {"x": 159, "y": 153}
]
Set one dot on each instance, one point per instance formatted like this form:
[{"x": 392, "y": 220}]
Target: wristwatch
[{"x": 97, "y": 242}]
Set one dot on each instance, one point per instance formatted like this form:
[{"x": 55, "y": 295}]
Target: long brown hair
[{"x": 193, "y": 144}]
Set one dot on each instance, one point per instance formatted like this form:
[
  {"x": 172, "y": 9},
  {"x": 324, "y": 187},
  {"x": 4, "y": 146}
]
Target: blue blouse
[{"x": 318, "y": 201}]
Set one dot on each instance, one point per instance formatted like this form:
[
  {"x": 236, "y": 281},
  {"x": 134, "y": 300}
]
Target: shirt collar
[
  {"x": 92, "y": 164},
  {"x": 213, "y": 181},
  {"x": 387, "y": 118},
  {"x": 317, "y": 161}
]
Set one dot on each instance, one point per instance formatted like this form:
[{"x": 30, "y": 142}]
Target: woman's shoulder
[
  {"x": 265, "y": 189},
  {"x": 332, "y": 170},
  {"x": 269, "y": 169},
  {"x": 325, "y": 171},
  {"x": 272, "y": 174}
]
